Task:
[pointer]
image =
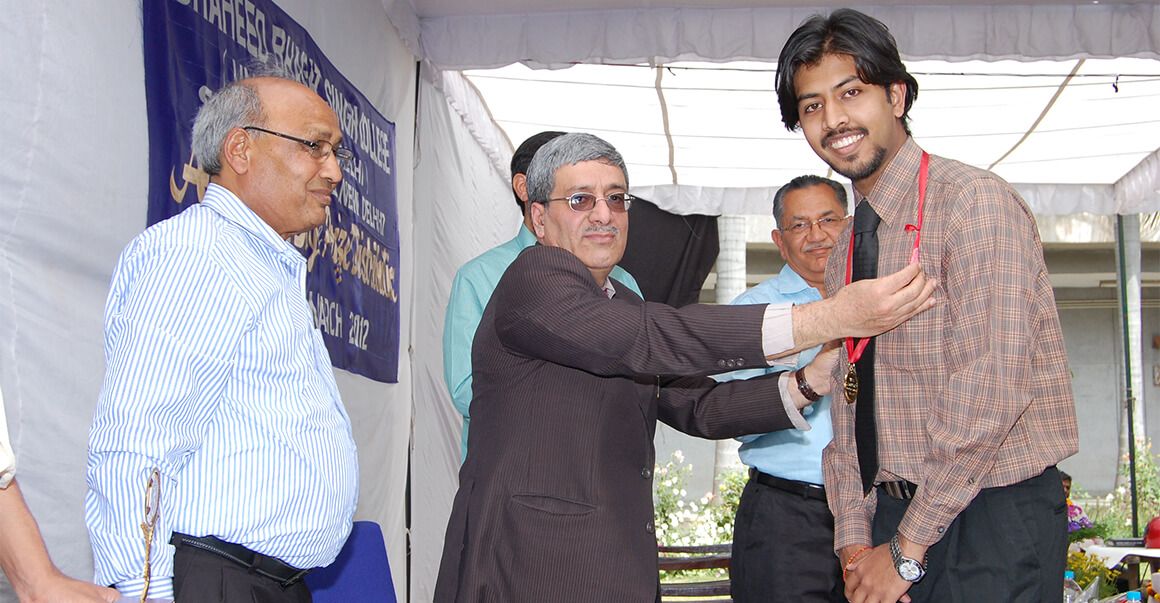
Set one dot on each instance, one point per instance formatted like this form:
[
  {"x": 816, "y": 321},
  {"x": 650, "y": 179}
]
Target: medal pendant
[{"x": 850, "y": 386}]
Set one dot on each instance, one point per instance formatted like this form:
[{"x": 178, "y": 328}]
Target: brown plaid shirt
[{"x": 975, "y": 392}]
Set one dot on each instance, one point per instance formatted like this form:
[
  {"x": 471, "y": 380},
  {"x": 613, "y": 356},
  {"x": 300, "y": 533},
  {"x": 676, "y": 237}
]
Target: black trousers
[
  {"x": 1009, "y": 544},
  {"x": 783, "y": 548},
  {"x": 203, "y": 577}
]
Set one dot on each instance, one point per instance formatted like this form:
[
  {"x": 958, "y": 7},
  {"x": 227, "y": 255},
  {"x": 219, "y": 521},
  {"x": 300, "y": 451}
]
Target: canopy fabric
[
  {"x": 708, "y": 138},
  {"x": 701, "y": 132},
  {"x": 640, "y": 35}
]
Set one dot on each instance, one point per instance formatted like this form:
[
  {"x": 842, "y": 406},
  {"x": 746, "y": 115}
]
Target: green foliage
[
  {"x": 1112, "y": 515},
  {"x": 1099, "y": 530}
]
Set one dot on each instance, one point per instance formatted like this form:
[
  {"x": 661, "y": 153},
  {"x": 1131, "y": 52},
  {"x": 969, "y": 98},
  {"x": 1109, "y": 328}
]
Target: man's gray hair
[
  {"x": 235, "y": 105},
  {"x": 568, "y": 149},
  {"x": 799, "y": 183}
]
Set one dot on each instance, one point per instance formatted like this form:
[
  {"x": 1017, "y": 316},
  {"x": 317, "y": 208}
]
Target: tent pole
[{"x": 1130, "y": 399}]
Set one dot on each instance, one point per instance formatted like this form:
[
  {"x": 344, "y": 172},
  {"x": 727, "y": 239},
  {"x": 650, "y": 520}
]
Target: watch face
[{"x": 910, "y": 570}]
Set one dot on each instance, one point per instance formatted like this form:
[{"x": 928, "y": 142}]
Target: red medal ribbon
[{"x": 854, "y": 351}]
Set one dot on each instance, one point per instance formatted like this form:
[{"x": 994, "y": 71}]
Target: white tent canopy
[
  {"x": 1059, "y": 99},
  {"x": 1065, "y": 132}
]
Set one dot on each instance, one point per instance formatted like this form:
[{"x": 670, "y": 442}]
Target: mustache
[
  {"x": 816, "y": 246},
  {"x": 828, "y": 138},
  {"x": 605, "y": 229}
]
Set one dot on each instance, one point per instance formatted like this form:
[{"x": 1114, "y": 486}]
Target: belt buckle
[
  {"x": 897, "y": 490},
  {"x": 295, "y": 579}
]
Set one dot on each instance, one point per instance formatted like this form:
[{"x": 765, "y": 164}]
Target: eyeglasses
[
  {"x": 617, "y": 202},
  {"x": 827, "y": 223},
  {"x": 318, "y": 149}
]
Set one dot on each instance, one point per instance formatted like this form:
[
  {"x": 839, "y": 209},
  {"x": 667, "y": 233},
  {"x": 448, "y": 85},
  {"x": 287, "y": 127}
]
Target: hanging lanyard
[{"x": 854, "y": 350}]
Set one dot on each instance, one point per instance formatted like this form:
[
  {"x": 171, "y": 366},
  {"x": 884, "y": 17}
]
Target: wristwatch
[{"x": 909, "y": 569}]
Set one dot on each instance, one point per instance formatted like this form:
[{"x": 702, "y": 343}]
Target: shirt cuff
[
  {"x": 923, "y": 523},
  {"x": 7, "y": 462},
  {"x": 795, "y": 416},
  {"x": 159, "y": 588},
  {"x": 777, "y": 332}
]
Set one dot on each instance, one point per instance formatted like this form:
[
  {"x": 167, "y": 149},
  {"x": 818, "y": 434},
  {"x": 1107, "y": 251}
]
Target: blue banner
[{"x": 195, "y": 46}]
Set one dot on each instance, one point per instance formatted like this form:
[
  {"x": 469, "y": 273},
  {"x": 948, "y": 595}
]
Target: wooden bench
[{"x": 713, "y": 556}]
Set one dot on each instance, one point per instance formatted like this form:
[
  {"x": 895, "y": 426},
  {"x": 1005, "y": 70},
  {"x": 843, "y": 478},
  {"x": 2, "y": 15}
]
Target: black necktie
[{"x": 866, "y": 266}]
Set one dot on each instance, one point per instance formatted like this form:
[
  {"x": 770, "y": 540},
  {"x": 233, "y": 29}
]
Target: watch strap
[
  {"x": 804, "y": 386},
  {"x": 898, "y": 558}
]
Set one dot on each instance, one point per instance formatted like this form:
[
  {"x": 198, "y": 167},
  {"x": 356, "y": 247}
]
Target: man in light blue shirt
[
  {"x": 783, "y": 535},
  {"x": 475, "y": 281},
  {"x": 219, "y": 398}
]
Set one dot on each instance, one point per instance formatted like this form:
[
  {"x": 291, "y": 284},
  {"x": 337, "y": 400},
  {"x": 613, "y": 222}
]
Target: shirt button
[
  {"x": 646, "y": 473},
  {"x": 648, "y": 527},
  {"x": 941, "y": 529}
]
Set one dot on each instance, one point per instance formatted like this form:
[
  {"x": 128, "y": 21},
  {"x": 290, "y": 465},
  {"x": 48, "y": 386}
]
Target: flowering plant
[
  {"x": 1090, "y": 568},
  {"x": 682, "y": 522},
  {"x": 1076, "y": 518}
]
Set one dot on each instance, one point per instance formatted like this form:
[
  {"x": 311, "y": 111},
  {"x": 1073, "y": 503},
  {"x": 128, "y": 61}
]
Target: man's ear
[
  {"x": 897, "y": 98},
  {"x": 520, "y": 186},
  {"x": 775, "y": 234},
  {"x": 237, "y": 151},
  {"x": 539, "y": 214}
]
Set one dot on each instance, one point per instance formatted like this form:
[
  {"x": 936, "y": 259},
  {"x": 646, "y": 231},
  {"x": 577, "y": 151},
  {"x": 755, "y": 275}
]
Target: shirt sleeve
[
  {"x": 464, "y": 311},
  {"x": 172, "y": 325},
  {"x": 777, "y": 333},
  {"x": 796, "y": 416},
  {"x": 7, "y": 459},
  {"x": 852, "y": 511},
  {"x": 989, "y": 337}
]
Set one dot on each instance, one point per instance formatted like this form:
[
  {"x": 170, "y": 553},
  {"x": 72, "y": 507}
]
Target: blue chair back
[{"x": 360, "y": 573}]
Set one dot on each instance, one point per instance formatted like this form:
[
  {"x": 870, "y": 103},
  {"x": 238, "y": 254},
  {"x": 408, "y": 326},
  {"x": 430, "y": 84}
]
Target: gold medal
[{"x": 850, "y": 386}]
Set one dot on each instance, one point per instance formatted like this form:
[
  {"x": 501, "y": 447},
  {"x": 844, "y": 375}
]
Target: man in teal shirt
[{"x": 475, "y": 281}]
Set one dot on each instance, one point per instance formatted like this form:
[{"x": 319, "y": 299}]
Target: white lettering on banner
[
  {"x": 327, "y": 314},
  {"x": 359, "y": 129},
  {"x": 240, "y": 20},
  {"x": 359, "y": 328},
  {"x": 350, "y": 198},
  {"x": 373, "y": 216},
  {"x": 328, "y": 319},
  {"x": 294, "y": 59}
]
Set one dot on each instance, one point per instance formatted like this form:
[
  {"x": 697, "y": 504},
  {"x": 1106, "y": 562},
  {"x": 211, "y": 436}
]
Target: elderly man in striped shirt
[{"x": 218, "y": 389}]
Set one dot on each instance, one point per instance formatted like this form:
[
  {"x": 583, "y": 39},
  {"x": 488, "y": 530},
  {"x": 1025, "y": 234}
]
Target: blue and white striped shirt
[{"x": 217, "y": 376}]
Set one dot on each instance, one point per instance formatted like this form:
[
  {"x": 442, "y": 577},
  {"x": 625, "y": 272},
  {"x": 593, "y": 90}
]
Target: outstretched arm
[
  {"x": 25, "y": 559},
  {"x": 864, "y": 308}
]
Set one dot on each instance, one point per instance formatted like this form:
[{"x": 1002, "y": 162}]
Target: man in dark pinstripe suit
[{"x": 572, "y": 371}]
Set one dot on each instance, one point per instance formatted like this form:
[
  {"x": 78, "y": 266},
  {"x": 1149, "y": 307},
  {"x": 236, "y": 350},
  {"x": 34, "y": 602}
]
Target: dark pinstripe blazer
[{"x": 555, "y": 497}]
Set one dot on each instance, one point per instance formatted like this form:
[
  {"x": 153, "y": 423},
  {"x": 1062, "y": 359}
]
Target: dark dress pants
[
  {"x": 202, "y": 577},
  {"x": 1009, "y": 544},
  {"x": 783, "y": 549}
]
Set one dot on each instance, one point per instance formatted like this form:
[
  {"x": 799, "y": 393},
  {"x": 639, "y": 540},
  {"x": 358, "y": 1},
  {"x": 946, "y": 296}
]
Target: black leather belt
[
  {"x": 269, "y": 567},
  {"x": 901, "y": 489},
  {"x": 802, "y": 489}
]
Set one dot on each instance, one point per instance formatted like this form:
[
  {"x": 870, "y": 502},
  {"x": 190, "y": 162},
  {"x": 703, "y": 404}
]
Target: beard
[{"x": 857, "y": 173}]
